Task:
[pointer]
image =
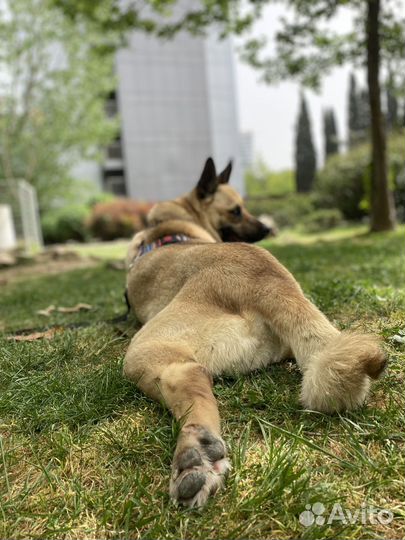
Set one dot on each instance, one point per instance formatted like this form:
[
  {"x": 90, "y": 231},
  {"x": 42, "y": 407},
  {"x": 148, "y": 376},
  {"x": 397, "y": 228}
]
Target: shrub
[
  {"x": 67, "y": 223},
  {"x": 119, "y": 218},
  {"x": 101, "y": 197},
  {"x": 287, "y": 211},
  {"x": 341, "y": 183},
  {"x": 323, "y": 219},
  {"x": 262, "y": 181},
  {"x": 344, "y": 182}
]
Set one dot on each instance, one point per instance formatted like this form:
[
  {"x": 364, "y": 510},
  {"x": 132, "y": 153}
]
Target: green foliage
[
  {"x": 353, "y": 109},
  {"x": 344, "y": 182},
  {"x": 56, "y": 117},
  {"x": 260, "y": 180},
  {"x": 305, "y": 157},
  {"x": 364, "y": 115},
  {"x": 392, "y": 103},
  {"x": 287, "y": 211},
  {"x": 330, "y": 133},
  {"x": 273, "y": 193},
  {"x": 159, "y": 17},
  {"x": 67, "y": 223},
  {"x": 306, "y": 45},
  {"x": 322, "y": 220},
  {"x": 358, "y": 113},
  {"x": 341, "y": 183},
  {"x": 101, "y": 197},
  {"x": 399, "y": 193}
]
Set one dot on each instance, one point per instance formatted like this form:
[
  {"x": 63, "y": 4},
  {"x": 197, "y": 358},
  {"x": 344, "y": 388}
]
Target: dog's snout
[{"x": 266, "y": 230}]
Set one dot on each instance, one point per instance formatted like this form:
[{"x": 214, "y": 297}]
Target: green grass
[
  {"x": 83, "y": 454},
  {"x": 103, "y": 250}
]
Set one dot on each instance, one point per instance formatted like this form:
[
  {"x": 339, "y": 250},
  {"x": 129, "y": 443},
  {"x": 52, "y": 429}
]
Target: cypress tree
[
  {"x": 353, "y": 113},
  {"x": 359, "y": 113},
  {"x": 392, "y": 104},
  {"x": 330, "y": 133},
  {"x": 364, "y": 116},
  {"x": 403, "y": 115},
  {"x": 305, "y": 157}
]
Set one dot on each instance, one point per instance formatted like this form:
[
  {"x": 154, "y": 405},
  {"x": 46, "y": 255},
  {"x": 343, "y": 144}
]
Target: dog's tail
[{"x": 338, "y": 376}]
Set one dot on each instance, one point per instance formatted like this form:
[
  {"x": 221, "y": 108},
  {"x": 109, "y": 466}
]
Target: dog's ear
[
  {"x": 223, "y": 178},
  {"x": 208, "y": 182}
]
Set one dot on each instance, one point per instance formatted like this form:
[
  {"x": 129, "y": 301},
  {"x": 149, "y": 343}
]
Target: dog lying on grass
[{"x": 210, "y": 308}]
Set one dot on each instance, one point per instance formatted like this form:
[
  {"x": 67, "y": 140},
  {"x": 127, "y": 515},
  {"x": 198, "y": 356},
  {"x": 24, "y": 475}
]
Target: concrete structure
[
  {"x": 8, "y": 239},
  {"x": 19, "y": 217},
  {"x": 246, "y": 150},
  {"x": 177, "y": 105}
]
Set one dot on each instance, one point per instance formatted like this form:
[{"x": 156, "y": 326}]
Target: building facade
[{"x": 176, "y": 101}]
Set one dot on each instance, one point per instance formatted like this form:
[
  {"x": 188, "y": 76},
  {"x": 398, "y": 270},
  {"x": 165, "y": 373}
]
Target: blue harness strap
[
  {"x": 160, "y": 242},
  {"x": 164, "y": 241}
]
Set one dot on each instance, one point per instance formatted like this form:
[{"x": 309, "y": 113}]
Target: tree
[
  {"x": 52, "y": 96},
  {"x": 353, "y": 111},
  {"x": 358, "y": 113},
  {"x": 364, "y": 115},
  {"x": 383, "y": 215},
  {"x": 305, "y": 157},
  {"x": 392, "y": 104},
  {"x": 330, "y": 133},
  {"x": 306, "y": 49}
]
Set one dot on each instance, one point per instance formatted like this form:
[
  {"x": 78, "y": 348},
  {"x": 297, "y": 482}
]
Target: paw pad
[
  {"x": 199, "y": 466},
  {"x": 191, "y": 484}
]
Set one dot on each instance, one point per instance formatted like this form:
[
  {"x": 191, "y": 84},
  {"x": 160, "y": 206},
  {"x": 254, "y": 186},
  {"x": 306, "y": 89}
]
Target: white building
[
  {"x": 177, "y": 105},
  {"x": 246, "y": 150}
]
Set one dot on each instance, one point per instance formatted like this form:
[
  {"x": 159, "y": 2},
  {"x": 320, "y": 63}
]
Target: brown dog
[{"x": 210, "y": 308}]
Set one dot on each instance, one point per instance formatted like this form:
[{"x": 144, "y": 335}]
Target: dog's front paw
[{"x": 199, "y": 466}]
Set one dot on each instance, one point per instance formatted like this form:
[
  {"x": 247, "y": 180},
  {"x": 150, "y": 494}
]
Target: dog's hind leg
[{"x": 166, "y": 372}]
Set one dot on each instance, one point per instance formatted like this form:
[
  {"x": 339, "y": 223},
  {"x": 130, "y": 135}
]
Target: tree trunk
[{"x": 383, "y": 216}]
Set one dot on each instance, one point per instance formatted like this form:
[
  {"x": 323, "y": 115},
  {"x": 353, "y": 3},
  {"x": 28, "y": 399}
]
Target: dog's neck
[
  {"x": 178, "y": 226},
  {"x": 189, "y": 205},
  {"x": 183, "y": 210},
  {"x": 194, "y": 232}
]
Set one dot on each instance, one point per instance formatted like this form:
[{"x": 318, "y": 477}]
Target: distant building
[
  {"x": 246, "y": 150},
  {"x": 177, "y": 105}
]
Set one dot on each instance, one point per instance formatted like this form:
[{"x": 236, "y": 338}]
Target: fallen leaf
[
  {"x": 75, "y": 309},
  {"x": 47, "y": 311},
  {"x": 48, "y": 334}
]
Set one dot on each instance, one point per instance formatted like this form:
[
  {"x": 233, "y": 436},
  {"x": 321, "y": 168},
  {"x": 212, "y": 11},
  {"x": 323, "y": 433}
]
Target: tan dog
[{"x": 210, "y": 308}]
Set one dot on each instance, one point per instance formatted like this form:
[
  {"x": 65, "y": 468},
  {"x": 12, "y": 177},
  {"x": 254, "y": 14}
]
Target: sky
[{"x": 270, "y": 111}]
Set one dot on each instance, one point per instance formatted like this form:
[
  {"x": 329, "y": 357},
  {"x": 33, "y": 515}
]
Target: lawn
[{"x": 84, "y": 455}]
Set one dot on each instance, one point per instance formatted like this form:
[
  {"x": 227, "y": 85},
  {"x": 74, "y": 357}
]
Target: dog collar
[
  {"x": 168, "y": 239},
  {"x": 164, "y": 241}
]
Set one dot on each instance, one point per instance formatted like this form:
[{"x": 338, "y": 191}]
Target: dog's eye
[{"x": 237, "y": 211}]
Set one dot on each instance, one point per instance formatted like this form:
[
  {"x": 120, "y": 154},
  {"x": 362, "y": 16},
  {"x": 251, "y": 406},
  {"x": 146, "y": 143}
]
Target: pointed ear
[
  {"x": 223, "y": 178},
  {"x": 208, "y": 182}
]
